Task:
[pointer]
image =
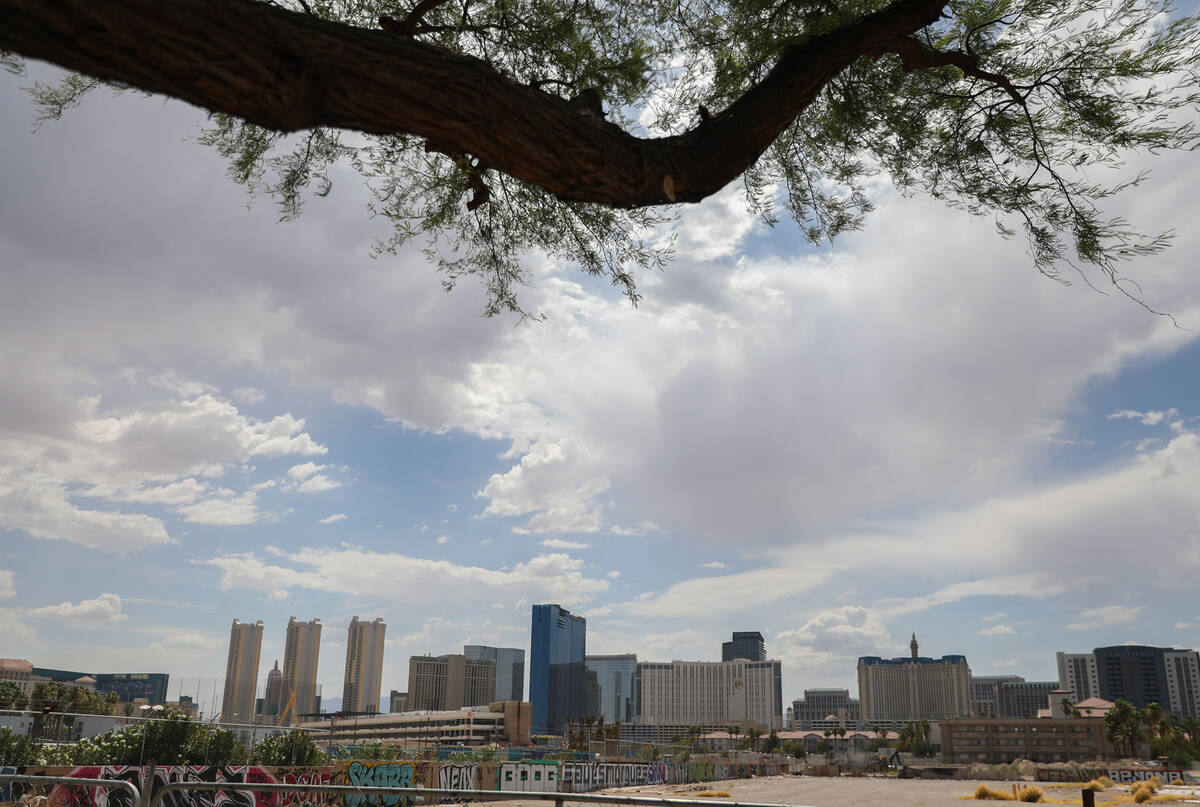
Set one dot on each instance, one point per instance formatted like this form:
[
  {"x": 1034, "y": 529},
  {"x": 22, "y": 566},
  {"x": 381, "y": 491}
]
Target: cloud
[
  {"x": 184, "y": 388},
  {"x": 15, "y": 633},
  {"x": 318, "y": 483},
  {"x": 998, "y": 630},
  {"x": 443, "y": 539},
  {"x": 1106, "y": 615},
  {"x": 304, "y": 470},
  {"x": 613, "y": 575},
  {"x": 407, "y": 579},
  {"x": 1038, "y": 585},
  {"x": 559, "y": 543},
  {"x": 248, "y": 395},
  {"x": 829, "y": 641},
  {"x": 225, "y": 511},
  {"x": 1007, "y": 663},
  {"x": 536, "y": 485},
  {"x": 8, "y": 585},
  {"x": 996, "y": 617},
  {"x": 332, "y": 518},
  {"x": 714, "y": 564},
  {"x": 1151, "y": 418},
  {"x": 153, "y": 455},
  {"x": 641, "y": 529},
  {"x": 102, "y": 609}
]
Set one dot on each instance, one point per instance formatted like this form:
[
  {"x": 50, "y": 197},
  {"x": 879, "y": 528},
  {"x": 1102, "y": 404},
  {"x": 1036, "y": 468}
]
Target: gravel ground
[{"x": 816, "y": 791}]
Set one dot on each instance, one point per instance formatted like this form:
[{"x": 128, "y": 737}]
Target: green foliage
[
  {"x": 59, "y": 697},
  {"x": 289, "y": 748},
  {"x": 17, "y": 749},
  {"x": 173, "y": 739},
  {"x": 1020, "y": 110},
  {"x": 12, "y": 696}
]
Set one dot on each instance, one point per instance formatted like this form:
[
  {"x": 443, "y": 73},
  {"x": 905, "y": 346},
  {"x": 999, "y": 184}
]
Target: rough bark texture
[{"x": 290, "y": 71}]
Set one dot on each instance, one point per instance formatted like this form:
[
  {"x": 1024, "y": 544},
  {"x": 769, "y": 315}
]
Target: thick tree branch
[{"x": 291, "y": 71}]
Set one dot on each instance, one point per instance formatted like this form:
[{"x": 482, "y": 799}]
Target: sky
[{"x": 206, "y": 414}]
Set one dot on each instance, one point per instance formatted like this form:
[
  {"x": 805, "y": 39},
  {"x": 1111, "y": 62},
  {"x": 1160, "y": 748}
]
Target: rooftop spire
[{"x": 913, "y": 645}]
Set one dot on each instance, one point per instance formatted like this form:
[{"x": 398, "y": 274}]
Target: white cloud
[
  {"x": 183, "y": 387},
  {"x": 15, "y": 633},
  {"x": 714, "y": 564},
  {"x": 559, "y": 543},
  {"x": 332, "y": 518},
  {"x": 304, "y": 470},
  {"x": 407, "y": 579},
  {"x": 552, "y": 483},
  {"x": 1151, "y": 418},
  {"x": 829, "y": 641},
  {"x": 996, "y": 617},
  {"x": 1038, "y": 585},
  {"x": 998, "y": 630},
  {"x": 1007, "y": 663},
  {"x": 318, "y": 483},
  {"x": 105, "y": 608},
  {"x": 613, "y": 575},
  {"x": 249, "y": 395},
  {"x": 641, "y": 529},
  {"x": 8, "y": 585},
  {"x": 226, "y": 511},
  {"x": 155, "y": 454},
  {"x": 1106, "y": 615},
  {"x": 443, "y": 539}
]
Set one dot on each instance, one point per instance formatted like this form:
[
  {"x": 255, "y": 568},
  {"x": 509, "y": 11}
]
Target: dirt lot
[{"x": 853, "y": 792}]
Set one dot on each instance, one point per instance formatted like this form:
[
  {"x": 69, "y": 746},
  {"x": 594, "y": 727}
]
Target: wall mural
[{"x": 548, "y": 776}]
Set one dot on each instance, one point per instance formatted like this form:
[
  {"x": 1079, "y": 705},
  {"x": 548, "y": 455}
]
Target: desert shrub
[
  {"x": 714, "y": 794},
  {"x": 1030, "y": 793},
  {"x": 1104, "y": 780},
  {"x": 985, "y": 793},
  {"x": 1096, "y": 785},
  {"x": 1177, "y": 782},
  {"x": 1142, "y": 791}
]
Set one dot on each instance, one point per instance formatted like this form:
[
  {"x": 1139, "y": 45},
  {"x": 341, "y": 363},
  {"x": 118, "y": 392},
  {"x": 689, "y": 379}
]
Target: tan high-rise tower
[
  {"x": 241, "y": 672},
  {"x": 300, "y": 653},
  {"x": 364, "y": 666}
]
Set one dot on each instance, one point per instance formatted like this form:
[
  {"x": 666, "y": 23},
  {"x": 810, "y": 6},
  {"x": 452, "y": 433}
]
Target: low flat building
[
  {"x": 1047, "y": 739},
  {"x": 503, "y": 722}
]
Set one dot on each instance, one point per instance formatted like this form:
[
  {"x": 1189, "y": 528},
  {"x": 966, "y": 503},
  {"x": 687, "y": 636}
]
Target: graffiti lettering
[
  {"x": 387, "y": 774},
  {"x": 534, "y": 777},
  {"x": 1125, "y": 775},
  {"x": 457, "y": 777}
]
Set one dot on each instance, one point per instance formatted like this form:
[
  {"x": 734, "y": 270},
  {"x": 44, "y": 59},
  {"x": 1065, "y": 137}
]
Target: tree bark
[{"x": 291, "y": 71}]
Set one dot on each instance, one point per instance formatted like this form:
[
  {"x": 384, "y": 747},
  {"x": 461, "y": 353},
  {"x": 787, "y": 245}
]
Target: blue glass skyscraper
[{"x": 557, "y": 647}]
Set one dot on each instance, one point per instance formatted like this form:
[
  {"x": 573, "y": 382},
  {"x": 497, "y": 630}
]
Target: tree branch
[{"x": 291, "y": 71}]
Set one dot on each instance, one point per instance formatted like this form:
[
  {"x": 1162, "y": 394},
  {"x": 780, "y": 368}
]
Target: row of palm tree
[{"x": 1129, "y": 728}]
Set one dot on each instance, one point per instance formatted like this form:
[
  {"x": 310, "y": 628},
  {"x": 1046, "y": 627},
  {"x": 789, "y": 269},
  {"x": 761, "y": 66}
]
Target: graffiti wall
[{"x": 547, "y": 776}]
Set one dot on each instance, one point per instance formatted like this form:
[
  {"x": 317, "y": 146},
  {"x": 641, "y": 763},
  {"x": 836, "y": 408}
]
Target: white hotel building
[{"x": 710, "y": 693}]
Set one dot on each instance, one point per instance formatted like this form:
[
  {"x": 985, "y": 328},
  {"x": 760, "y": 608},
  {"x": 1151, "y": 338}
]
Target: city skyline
[{"x": 214, "y": 415}]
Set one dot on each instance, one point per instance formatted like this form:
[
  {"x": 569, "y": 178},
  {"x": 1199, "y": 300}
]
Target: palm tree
[
  {"x": 752, "y": 736},
  {"x": 1067, "y": 706}
]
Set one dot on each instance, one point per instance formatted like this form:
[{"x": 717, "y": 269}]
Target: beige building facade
[
  {"x": 451, "y": 681},
  {"x": 241, "y": 672},
  {"x": 916, "y": 688},
  {"x": 301, "y": 652},
  {"x": 17, "y": 671},
  {"x": 497, "y": 722},
  {"x": 710, "y": 692},
  {"x": 364, "y": 665}
]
